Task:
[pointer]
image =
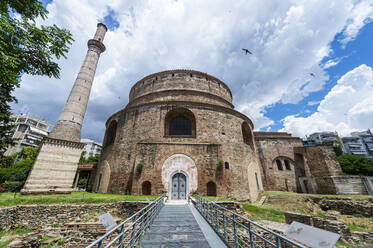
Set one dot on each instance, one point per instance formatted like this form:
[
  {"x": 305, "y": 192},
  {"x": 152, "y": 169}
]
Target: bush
[
  {"x": 338, "y": 150},
  {"x": 94, "y": 159},
  {"x": 13, "y": 186},
  {"x": 139, "y": 168},
  {"x": 356, "y": 165},
  {"x": 6, "y": 161},
  {"x": 82, "y": 183},
  {"x": 13, "y": 177},
  {"x": 220, "y": 164}
]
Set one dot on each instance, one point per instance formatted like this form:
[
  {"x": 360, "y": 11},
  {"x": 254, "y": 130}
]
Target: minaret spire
[
  {"x": 70, "y": 122},
  {"x": 56, "y": 164}
]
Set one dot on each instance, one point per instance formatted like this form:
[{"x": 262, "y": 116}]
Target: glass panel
[{"x": 180, "y": 125}]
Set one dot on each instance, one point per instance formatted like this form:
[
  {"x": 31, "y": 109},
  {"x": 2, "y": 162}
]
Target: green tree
[
  {"x": 14, "y": 177},
  {"x": 338, "y": 150},
  {"x": 94, "y": 159},
  {"x": 356, "y": 165},
  {"x": 25, "y": 48}
]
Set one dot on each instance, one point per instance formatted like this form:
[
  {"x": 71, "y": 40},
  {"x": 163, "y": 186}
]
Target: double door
[{"x": 178, "y": 187}]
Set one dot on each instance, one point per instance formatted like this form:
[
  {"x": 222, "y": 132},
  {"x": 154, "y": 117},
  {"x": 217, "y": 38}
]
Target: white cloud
[
  {"x": 361, "y": 14},
  {"x": 312, "y": 103},
  {"x": 288, "y": 40},
  {"x": 332, "y": 62},
  {"x": 346, "y": 108}
]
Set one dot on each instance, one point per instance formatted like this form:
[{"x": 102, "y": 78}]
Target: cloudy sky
[{"x": 290, "y": 40}]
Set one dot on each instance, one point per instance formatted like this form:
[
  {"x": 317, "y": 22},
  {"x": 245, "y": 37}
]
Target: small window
[
  {"x": 226, "y": 164},
  {"x": 279, "y": 164},
  {"x": 287, "y": 164}
]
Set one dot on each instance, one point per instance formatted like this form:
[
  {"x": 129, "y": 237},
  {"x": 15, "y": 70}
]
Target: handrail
[
  {"x": 219, "y": 218},
  {"x": 131, "y": 230}
]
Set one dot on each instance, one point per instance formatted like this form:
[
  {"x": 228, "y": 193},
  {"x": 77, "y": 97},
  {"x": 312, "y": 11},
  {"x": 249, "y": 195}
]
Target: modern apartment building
[
  {"x": 354, "y": 146},
  {"x": 324, "y": 138},
  {"x": 92, "y": 148},
  {"x": 29, "y": 131},
  {"x": 366, "y": 139}
]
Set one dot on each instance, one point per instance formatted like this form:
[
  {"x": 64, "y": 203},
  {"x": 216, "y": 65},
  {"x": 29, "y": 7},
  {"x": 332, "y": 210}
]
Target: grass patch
[
  {"x": 4, "y": 244},
  {"x": 355, "y": 197},
  {"x": 220, "y": 198},
  {"x": 261, "y": 213},
  {"x": 289, "y": 201},
  {"x": 358, "y": 227},
  {"x": 10, "y": 233},
  {"x": 10, "y": 199}
]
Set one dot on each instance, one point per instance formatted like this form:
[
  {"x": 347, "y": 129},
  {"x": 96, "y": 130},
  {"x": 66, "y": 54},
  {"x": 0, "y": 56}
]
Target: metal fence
[
  {"x": 130, "y": 232},
  {"x": 238, "y": 231}
]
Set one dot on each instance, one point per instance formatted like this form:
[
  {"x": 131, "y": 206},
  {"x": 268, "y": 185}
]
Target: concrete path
[{"x": 180, "y": 225}]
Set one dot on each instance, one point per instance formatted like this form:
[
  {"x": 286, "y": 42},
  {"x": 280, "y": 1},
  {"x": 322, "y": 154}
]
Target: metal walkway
[{"x": 180, "y": 225}]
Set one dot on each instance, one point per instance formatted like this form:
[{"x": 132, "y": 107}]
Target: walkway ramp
[{"x": 180, "y": 225}]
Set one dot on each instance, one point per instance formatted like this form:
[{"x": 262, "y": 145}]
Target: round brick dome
[{"x": 185, "y": 85}]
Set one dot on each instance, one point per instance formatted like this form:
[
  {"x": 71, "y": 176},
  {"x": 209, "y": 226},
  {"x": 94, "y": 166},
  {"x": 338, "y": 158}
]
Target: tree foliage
[
  {"x": 94, "y": 159},
  {"x": 13, "y": 177},
  {"x": 356, "y": 165},
  {"x": 338, "y": 150},
  {"x": 25, "y": 48}
]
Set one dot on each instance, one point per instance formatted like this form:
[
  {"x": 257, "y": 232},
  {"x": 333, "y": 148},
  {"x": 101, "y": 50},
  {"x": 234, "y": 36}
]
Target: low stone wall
[
  {"x": 37, "y": 217},
  {"x": 329, "y": 225},
  {"x": 346, "y": 205}
]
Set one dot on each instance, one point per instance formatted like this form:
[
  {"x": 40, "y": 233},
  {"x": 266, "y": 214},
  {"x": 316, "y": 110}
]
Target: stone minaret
[
  {"x": 69, "y": 124},
  {"x": 55, "y": 166}
]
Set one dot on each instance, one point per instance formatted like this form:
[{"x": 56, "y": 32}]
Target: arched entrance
[
  {"x": 179, "y": 186},
  {"x": 146, "y": 188},
  {"x": 179, "y": 169}
]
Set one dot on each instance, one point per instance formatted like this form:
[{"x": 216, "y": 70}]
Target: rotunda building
[{"x": 180, "y": 134}]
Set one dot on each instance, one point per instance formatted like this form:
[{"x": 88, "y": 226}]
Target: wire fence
[
  {"x": 238, "y": 231},
  {"x": 130, "y": 232}
]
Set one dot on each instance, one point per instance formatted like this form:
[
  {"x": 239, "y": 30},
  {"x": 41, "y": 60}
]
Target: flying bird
[
  {"x": 246, "y": 51},
  {"x": 312, "y": 74}
]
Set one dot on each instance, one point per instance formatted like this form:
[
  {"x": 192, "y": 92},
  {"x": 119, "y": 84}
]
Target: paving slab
[{"x": 180, "y": 225}]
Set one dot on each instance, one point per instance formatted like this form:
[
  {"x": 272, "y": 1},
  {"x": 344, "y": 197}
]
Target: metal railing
[
  {"x": 130, "y": 232},
  {"x": 238, "y": 231}
]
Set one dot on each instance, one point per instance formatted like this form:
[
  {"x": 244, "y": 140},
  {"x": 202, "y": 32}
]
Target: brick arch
[
  {"x": 282, "y": 159},
  {"x": 146, "y": 188},
  {"x": 211, "y": 188},
  {"x": 180, "y": 163},
  {"x": 247, "y": 135},
  {"x": 178, "y": 116}
]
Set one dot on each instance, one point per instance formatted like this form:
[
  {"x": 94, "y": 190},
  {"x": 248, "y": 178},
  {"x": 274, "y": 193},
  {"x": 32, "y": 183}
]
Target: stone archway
[{"x": 180, "y": 163}]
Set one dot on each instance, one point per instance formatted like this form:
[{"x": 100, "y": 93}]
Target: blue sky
[
  {"x": 355, "y": 53},
  {"x": 272, "y": 87}
]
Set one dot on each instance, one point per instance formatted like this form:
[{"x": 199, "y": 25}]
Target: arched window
[
  {"x": 226, "y": 165},
  {"x": 247, "y": 135},
  {"x": 287, "y": 164},
  {"x": 146, "y": 188},
  {"x": 180, "y": 122},
  {"x": 211, "y": 189},
  {"x": 111, "y": 133},
  {"x": 279, "y": 164}
]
